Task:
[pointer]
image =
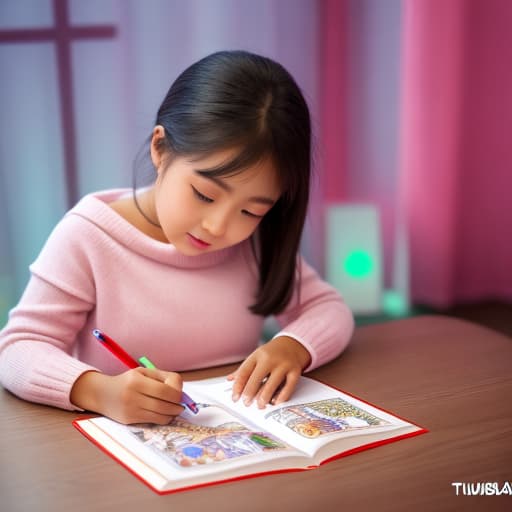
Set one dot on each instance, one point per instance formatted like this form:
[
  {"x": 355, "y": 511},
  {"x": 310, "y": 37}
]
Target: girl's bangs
[{"x": 252, "y": 154}]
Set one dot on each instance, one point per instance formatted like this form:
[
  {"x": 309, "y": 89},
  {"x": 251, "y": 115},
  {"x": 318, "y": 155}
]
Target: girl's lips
[{"x": 197, "y": 242}]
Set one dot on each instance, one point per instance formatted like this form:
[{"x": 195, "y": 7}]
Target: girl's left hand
[{"x": 271, "y": 372}]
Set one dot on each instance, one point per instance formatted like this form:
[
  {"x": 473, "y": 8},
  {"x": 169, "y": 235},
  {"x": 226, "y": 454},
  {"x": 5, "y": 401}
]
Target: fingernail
[
  {"x": 236, "y": 397},
  {"x": 247, "y": 401}
]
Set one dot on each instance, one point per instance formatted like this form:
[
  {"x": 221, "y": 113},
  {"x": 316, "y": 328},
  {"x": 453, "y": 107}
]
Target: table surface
[{"x": 450, "y": 376}]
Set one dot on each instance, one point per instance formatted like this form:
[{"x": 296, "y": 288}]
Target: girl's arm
[
  {"x": 36, "y": 365},
  {"x": 36, "y": 344}
]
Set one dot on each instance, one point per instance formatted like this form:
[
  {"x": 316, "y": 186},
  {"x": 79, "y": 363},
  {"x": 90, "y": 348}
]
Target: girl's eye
[
  {"x": 201, "y": 197},
  {"x": 253, "y": 215}
]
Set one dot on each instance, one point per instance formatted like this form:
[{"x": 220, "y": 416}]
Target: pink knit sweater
[{"x": 183, "y": 312}]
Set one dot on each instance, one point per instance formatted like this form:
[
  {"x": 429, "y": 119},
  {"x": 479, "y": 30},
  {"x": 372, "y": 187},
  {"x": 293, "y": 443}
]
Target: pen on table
[{"x": 128, "y": 360}]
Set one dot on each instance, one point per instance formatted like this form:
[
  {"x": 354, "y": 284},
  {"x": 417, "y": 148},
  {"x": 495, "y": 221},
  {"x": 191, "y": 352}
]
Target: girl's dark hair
[{"x": 236, "y": 99}]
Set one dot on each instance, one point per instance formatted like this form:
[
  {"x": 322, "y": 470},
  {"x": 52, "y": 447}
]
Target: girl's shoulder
[{"x": 80, "y": 225}]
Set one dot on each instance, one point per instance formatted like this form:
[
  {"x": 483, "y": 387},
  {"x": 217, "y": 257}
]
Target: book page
[
  {"x": 211, "y": 437},
  {"x": 194, "y": 446},
  {"x": 315, "y": 416}
]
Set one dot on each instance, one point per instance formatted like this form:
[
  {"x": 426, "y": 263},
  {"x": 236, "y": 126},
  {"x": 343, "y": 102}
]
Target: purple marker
[
  {"x": 189, "y": 403},
  {"x": 186, "y": 401}
]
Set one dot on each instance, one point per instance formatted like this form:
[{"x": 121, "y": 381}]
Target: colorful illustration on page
[
  {"x": 190, "y": 444},
  {"x": 324, "y": 417}
]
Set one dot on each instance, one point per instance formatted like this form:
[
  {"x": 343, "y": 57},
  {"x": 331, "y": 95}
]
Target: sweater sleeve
[
  {"x": 36, "y": 345},
  {"x": 317, "y": 317}
]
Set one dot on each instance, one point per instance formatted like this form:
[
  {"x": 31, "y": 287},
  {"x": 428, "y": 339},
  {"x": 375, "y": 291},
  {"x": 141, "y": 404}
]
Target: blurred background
[{"x": 412, "y": 114}]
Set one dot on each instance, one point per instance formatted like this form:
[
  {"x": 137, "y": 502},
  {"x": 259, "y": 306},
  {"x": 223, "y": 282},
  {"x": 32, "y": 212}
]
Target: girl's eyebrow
[{"x": 222, "y": 184}]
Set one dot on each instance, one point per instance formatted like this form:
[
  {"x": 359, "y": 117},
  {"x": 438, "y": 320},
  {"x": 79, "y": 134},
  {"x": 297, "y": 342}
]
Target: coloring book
[{"x": 226, "y": 440}]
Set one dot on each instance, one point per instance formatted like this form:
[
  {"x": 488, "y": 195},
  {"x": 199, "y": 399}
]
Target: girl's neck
[{"x": 142, "y": 217}]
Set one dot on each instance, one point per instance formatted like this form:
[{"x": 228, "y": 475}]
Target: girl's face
[{"x": 201, "y": 213}]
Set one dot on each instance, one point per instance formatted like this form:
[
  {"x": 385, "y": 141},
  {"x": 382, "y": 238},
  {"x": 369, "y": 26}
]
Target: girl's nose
[{"x": 215, "y": 223}]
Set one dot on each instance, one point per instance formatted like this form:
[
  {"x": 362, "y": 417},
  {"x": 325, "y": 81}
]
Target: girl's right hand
[{"x": 141, "y": 395}]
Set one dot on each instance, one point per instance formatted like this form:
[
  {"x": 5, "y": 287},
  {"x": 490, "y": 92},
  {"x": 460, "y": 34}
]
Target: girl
[{"x": 186, "y": 270}]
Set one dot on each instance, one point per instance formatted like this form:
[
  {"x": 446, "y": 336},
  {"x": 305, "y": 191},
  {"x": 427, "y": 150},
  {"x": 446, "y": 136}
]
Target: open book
[{"x": 228, "y": 440}]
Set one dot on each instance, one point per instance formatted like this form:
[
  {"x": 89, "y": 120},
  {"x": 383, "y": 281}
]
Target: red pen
[
  {"x": 111, "y": 345},
  {"x": 128, "y": 360}
]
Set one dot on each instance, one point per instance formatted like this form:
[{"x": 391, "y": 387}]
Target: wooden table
[{"x": 451, "y": 376}]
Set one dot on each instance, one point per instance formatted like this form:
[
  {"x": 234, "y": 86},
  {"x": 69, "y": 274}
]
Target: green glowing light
[
  {"x": 394, "y": 303},
  {"x": 358, "y": 264}
]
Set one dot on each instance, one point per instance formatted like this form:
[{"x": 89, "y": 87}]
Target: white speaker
[{"x": 354, "y": 255}]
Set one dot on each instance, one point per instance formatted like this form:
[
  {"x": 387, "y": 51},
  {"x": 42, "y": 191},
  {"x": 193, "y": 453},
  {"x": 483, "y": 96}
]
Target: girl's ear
[{"x": 156, "y": 146}]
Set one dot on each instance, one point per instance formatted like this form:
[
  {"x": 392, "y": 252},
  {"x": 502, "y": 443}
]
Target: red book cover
[{"x": 227, "y": 441}]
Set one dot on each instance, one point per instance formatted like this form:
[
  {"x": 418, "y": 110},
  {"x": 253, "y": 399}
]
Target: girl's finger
[
  {"x": 241, "y": 376},
  {"x": 285, "y": 392},
  {"x": 270, "y": 388},
  {"x": 154, "y": 417},
  {"x": 161, "y": 407},
  {"x": 153, "y": 373},
  {"x": 174, "y": 380},
  {"x": 258, "y": 377},
  {"x": 165, "y": 386}
]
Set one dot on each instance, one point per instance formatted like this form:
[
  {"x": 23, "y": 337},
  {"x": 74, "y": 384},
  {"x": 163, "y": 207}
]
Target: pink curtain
[
  {"x": 456, "y": 150},
  {"x": 454, "y": 176},
  {"x": 333, "y": 18}
]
